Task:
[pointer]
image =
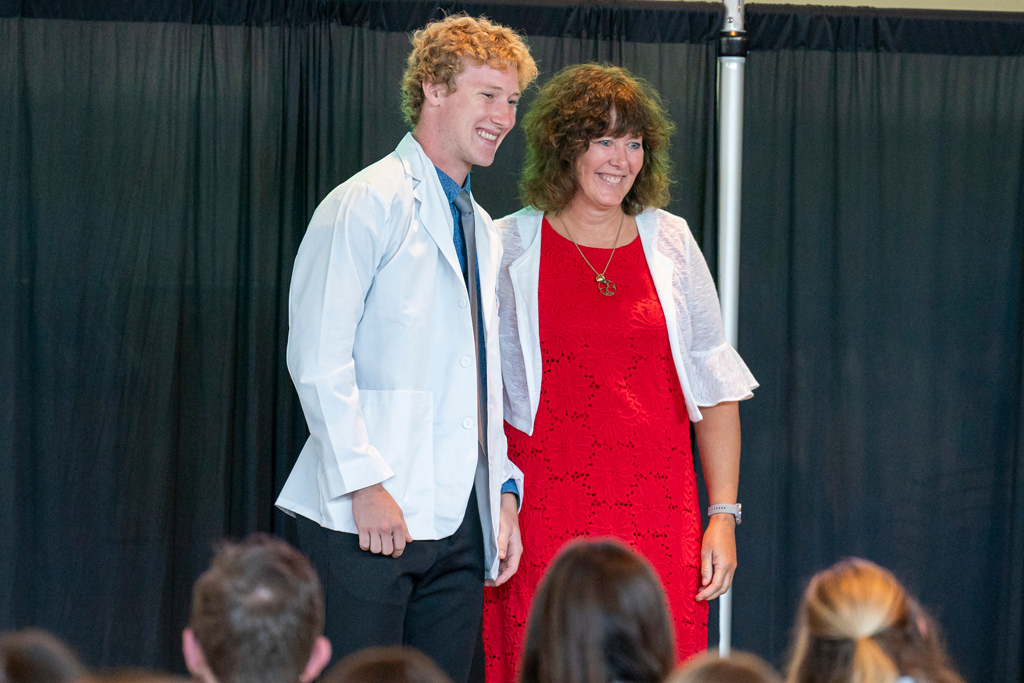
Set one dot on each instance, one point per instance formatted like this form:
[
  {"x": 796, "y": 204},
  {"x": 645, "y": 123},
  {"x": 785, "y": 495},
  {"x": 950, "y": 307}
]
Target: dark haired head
[
  {"x": 386, "y": 665},
  {"x": 738, "y": 667},
  {"x": 582, "y": 103},
  {"x": 257, "y": 612},
  {"x": 35, "y": 656},
  {"x": 599, "y": 616}
]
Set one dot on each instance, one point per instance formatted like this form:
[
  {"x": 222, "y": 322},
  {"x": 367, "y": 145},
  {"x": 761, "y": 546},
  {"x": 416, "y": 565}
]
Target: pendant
[{"x": 604, "y": 285}]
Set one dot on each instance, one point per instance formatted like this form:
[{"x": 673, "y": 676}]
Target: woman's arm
[{"x": 718, "y": 440}]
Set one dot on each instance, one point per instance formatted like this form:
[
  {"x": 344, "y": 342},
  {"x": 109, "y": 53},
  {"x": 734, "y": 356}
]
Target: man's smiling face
[{"x": 475, "y": 118}]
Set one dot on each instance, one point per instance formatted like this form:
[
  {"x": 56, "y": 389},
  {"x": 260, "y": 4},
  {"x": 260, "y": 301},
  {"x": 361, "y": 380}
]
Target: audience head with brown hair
[
  {"x": 599, "y": 616},
  {"x": 738, "y": 667},
  {"x": 133, "y": 676},
  {"x": 857, "y": 624},
  {"x": 35, "y": 656},
  {"x": 257, "y": 616},
  {"x": 386, "y": 665}
]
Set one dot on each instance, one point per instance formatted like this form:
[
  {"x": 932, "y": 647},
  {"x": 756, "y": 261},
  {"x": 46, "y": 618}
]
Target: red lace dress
[{"x": 610, "y": 450}]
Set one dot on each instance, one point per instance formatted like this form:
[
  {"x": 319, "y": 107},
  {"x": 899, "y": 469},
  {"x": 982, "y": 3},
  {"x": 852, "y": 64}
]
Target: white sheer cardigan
[{"x": 710, "y": 370}]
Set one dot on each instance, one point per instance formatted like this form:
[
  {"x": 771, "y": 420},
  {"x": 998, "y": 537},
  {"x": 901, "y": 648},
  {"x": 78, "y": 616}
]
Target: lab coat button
[
  {"x": 463, "y": 302},
  {"x": 468, "y": 423},
  {"x": 465, "y": 362}
]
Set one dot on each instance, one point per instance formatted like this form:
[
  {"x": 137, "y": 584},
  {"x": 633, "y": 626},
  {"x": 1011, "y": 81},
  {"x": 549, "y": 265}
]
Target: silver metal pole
[{"x": 732, "y": 51}]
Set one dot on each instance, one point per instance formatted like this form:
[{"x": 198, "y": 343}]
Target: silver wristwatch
[{"x": 723, "y": 509}]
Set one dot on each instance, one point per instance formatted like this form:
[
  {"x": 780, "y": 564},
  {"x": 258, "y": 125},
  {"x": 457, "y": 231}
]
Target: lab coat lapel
[{"x": 434, "y": 214}]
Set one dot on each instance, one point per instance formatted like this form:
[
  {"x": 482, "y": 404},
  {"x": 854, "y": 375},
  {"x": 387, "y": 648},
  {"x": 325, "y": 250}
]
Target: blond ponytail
[
  {"x": 843, "y": 609},
  {"x": 871, "y": 664}
]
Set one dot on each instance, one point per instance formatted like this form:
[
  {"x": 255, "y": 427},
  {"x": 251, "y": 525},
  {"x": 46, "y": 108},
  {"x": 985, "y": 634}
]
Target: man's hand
[
  {"x": 510, "y": 543},
  {"x": 380, "y": 522},
  {"x": 717, "y": 557}
]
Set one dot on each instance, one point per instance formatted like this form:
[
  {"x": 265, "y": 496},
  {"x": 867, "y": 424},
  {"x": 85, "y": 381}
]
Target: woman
[
  {"x": 599, "y": 617},
  {"x": 858, "y": 625},
  {"x": 612, "y": 342}
]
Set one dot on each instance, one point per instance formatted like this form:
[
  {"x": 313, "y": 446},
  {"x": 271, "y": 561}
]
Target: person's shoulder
[
  {"x": 382, "y": 183},
  {"x": 368, "y": 197},
  {"x": 666, "y": 221},
  {"x": 521, "y": 218},
  {"x": 668, "y": 225},
  {"x": 387, "y": 177},
  {"x": 517, "y": 229},
  {"x": 483, "y": 212},
  {"x": 671, "y": 234}
]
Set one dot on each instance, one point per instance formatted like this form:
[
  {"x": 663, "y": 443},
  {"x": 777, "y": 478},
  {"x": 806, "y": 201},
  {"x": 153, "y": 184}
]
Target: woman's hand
[
  {"x": 718, "y": 441},
  {"x": 717, "y": 557}
]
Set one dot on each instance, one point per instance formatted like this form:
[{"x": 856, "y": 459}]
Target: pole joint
[
  {"x": 732, "y": 44},
  {"x": 732, "y": 39}
]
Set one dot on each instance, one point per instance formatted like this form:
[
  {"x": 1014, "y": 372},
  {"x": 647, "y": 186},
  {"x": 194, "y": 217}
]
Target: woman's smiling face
[{"x": 607, "y": 170}]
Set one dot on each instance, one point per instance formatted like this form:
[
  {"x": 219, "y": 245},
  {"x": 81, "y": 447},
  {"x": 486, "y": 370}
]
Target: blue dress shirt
[{"x": 451, "y": 191}]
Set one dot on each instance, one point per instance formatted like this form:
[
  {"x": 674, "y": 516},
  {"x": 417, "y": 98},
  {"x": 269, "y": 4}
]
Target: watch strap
[{"x": 724, "y": 509}]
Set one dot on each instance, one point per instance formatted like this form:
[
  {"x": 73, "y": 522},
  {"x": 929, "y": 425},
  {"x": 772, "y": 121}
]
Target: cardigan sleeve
[
  {"x": 516, "y": 393},
  {"x": 716, "y": 371}
]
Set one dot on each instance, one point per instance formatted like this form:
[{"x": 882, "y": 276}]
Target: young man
[
  {"x": 257, "y": 616},
  {"x": 404, "y": 493}
]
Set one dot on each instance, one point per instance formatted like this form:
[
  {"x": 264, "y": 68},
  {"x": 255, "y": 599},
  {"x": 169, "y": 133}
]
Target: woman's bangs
[{"x": 626, "y": 115}]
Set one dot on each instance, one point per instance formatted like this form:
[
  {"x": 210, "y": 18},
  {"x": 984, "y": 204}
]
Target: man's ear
[
  {"x": 320, "y": 658},
  {"x": 195, "y": 659},
  {"x": 433, "y": 92}
]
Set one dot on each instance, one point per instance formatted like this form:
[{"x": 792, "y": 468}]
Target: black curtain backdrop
[
  {"x": 158, "y": 165},
  {"x": 881, "y": 311}
]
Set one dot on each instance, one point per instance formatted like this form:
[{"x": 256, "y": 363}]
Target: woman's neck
[{"x": 590, "y": 226}]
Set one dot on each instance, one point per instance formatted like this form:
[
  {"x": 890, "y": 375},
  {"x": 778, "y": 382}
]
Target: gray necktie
[{"x": 464, "y": 204}]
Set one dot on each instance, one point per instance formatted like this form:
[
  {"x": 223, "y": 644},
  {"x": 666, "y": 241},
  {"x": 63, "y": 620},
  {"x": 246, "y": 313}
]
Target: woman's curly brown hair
[
  {"x": 582, "y": 103},
  {"x": 439, "y": 48}
]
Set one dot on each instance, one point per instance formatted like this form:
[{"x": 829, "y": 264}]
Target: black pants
[{"x": 430, "y": 598}]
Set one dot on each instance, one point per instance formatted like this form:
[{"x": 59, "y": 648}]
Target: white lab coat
[
  {"x": 383, "y": 356},
  {"x": 709, "y": 369}
]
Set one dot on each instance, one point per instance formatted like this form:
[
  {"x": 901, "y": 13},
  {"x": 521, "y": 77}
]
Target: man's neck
[{"x": 454, "y": 169}]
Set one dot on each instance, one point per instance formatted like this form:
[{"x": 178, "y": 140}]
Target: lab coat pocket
[{"x": 401, "y": 427}]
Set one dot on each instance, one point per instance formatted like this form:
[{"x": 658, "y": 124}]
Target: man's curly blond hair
[{"x": 438, "y": 51}]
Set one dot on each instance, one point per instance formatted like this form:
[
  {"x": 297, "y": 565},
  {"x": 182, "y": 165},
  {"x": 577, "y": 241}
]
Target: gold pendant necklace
[{"x": 604, "y": 285}]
